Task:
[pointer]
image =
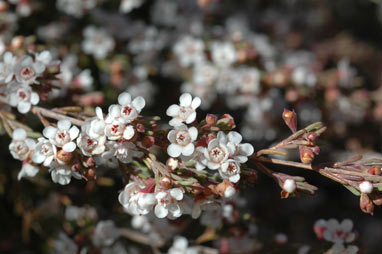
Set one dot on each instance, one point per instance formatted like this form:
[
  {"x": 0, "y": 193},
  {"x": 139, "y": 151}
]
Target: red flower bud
[
  {"x": 306, "y": 155},
  {"x": 365, "y": 204},
  {"x": 211, "y": 119}
]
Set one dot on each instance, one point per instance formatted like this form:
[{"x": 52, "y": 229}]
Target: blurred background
[{"x": 250, "y": 59}]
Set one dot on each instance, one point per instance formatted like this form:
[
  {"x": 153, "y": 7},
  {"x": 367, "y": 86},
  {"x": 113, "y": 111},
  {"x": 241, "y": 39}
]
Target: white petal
[
  {"x": 129, "y": 132},
  {"x": 124, "y": 98},
  {"x": 139, "y": 103},
  {"x": 173, "y": 110},
  {"x": 99, "y": 113},
  {"x": 185, "y": 100},
  {"x": 73, "y": 132},
  {"x": 160, "y": 211},
  {"x": 234, "y": 178},
  {"x": 49, "y": 131},
  {"x": 39, "y": 67},
  {"x": 69, "y": 147},
  {"x": 64, "y": 124},
  {"x": 171, "y": 136},
  {"x": 35, "y": 98},
  {"x": 174, "y": 150},
  {"x": 19, "y": 134},
  {"x": 196, "y": 103},
  {"x": 38, "y": 157},
  {"x": 176, "y": 193},
  {"x": 188, "y": 149},
  {"x": 193, "y": 133},
  {"x": 24, "y": 107},
  {"x": 114, "y": 110},
  {"x": 246, "y": 149},
  {"x": 234, "y": 137},
  {"x": 191, "y": 118},
  {"x": 175, "y": 121}
]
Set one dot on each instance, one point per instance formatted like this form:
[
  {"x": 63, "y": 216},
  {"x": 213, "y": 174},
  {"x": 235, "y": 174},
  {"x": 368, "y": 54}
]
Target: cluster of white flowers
[
  {"x": 338, "y": 233},
  {"x": 20, "y": 74},
  {"x": 107, "y": 138}
]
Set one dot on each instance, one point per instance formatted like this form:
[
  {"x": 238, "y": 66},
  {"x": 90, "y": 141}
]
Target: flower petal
[
  {"x": 173, "y": 110},
  {"x": 176, "y": 193},
  {"x": 139, "y": 103},
  {"x": 73, "y": 132},
  {"x": 24, "y": 107},
  {"x": 193, "y": 133},
  {"x": 124, "y": 98},
  {"x": 129, "y": 132},
  {"x": 195, "y": 103},
  {"x": 49, "y": 131},
  {"x": 35, "y": 98},
  {"x": 19, "y": 134},
  {"x": 188, "y": 149},
  {"x": 69, "y": 147},
  {"x": 191, "y": 118},
  {"x": 174, "y": 150},
  {"x": 234, "y": 137},
  {"x": 185, "y": 100},
  {"x": 160, "y": 211},
  {"x": 64, "y": 124}
]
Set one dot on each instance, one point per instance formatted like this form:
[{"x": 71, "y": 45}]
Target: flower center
[
  {"x": 185, "y": 112},
  {"x": 27, "y": 73},
  {"x": 217, "y": 154},
  {"x": 183, "y": 138},
  {"x": 23, "y": 95},
  {"x": 46, "y": 149},
  {"x": 62, "y": 137}
]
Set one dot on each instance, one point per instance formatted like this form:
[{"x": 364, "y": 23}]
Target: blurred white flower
[
  {"x": 62, "y": 174},
  {"x": 168, "y": 203},
  {"x": 21, "y": 146},
  {"x": 28, "y": 170},
  {"x": 130, "y": 109},
  {"x": 45, "y": 152},
  {"x": 180, "y": 246},
  {"x": 64, "y": 245},
  {"x": 127, "y": 6},
  {"x": 189, "y": 51},
  {"x": 27, "y": 70},
  {"x": 105, "y": 233},
  {"x": 21, "y": 96},
  {"x": 223, "y": 53},
  {"x": 97, "y": 42},
  {"x": 126, "y": 151},
  {"x": 7, "y": 67},
  {"x": 76, "y": 8}
]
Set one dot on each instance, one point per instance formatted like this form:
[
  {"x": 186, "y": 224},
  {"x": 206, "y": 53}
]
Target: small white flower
[
  {"x": 189, "y": 51},
  {"x": 366, "y": 187},
  {"x": 84, "y": 80},
  {"x": 217, "y": 152},
  {"x": 230, "y": 171},
  {"x": 223, "y": 54},
  {"x": 97, "y": 42},
  {"x": 21, "y": 146},
  {"x": 241, "y": 152},
  {"x": 115, "y": 128},
  {"x": 205, "y": 73},
  {"x": 22, "y": 97},
  {"x": 180, "y": 246},
  {"x": 64, "y": 245},
  {"x": 127, "y": 6},
  {"x": 126, "y": 151},
  {"x": 339, "y": 248},
  {"x": 44, "y": 153},
  {"x": 130, "y": 109},
  {"x": 141, "y": 222},
  {"x": 135, "y": 201},
  {"x": 28, "y": 170},
  {"x": 6, "y": 67},
  {"x": 168, "y": 203},
  {"x": 105, "y": 233},
  {"x": 339, "y": 232},
  {"x": 289, "y": 185},
  {"x": 90, "y": 146},
  {"x": 62, "y": 136},
  {"x": 62, "y": 174},
  {"x": 107, "y": 158},
  {"x": 185, "y": 112},
  {"x": 44, "y": 57},
  {"x": 27, "y": 71},
  {"x": 181, "y": 139}
]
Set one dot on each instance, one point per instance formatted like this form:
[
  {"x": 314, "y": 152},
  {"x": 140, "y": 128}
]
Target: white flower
[
  {"x": 189, "y": 51},
  {"x": 217, "y": 152},
  {"x": 230, "y": 171},
  {"x": 21, "y": 146},
  {"x": 27, "y": 71},
  {"x": 289, "y": 185},
  {"x": 84, "y": 80},
  {"x": 44, "y": 57},
  {"x": 107, "y": 158},
  {"x": 336, "y": 232},
  {"x": 62, "y": 136},
  {"x": 241, "y": 152},
  {"x": 181, "y": 139},
  {"x": 62, "y": 174},
  {"x": 97, "y": 42},
  {"x": 223, "y": 54},
  {"x": 6, "y": 67},
  {"x": 302, "y": 75},
  {"x": 339, "y": 248},
  {"x": 22, "y": 97},
  {"x": 105, "y": 233},
  {"x": 130, "y": 109},
  {"x": 90, "y": 146},
  {"x": 44, "y": 153},
  {"x": 115, "y": 128},
  {"x": 135, "y": 201},
  {"x": 168, "y": 203},
  {"x": 185, "y": 112},
  {"x": 80, "y": 213},
  {"x": 126, "y": 151},
  {"x": 249, "y": 80},
  {"x": 204, "y": 73},
  {"x": 141, "y": 222},
  {"x": 127, "y": 6},
  {"x": 28, "y": 170},
  {"x": 64, "y": 245},
  {"x": 366, "y": 187},
  {"x": 180, "y": 246}
]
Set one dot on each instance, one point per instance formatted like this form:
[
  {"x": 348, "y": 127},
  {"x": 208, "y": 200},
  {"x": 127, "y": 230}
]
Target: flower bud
[
  {"x": 64, "y": 157},
  {"x": 140, "y": 128},
  {"x": 148, "y": 141},
  {"x": 211, "y": 119},
  {"x": 366, "y": 187},
  {"x": 306, "y": 155},
  {"x": 91, "y": 173},
  {"x": 172, "y": 163},
  {"x": 365, "y": 204},
  {"x": 290, "y": 119},
  {"x": 377, "y": 198},
  {"x": 375, "y": 171},
  {"x": 165, "y": 182},
  {"x": 90, "y": 162},
  {"x": 312, "y": 136},
  {"x": 289, "y": 185}
]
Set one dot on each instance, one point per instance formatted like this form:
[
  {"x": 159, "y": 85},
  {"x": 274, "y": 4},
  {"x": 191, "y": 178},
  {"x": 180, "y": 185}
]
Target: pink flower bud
[
  {"x": 290, "y": 119},
  {"x": 211, "y": 119},
  {"x": 365, "y": 204}
]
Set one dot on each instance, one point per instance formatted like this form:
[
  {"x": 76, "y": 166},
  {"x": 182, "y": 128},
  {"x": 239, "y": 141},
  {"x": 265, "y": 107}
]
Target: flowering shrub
[{"x": 91, "y": 95}]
